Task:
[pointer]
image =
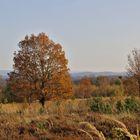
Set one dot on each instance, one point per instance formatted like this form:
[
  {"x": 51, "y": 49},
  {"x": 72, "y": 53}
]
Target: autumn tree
[
  {"x": 40, "y": 69},
  {"x": 134, "y": 65},
  {"x": 103, "y": 84},
  {"x": 85, "y": 87},
  {"x": 102, "y": 81},
  {"x": 130, "y": 86},
  {"x": 2, "y": 87},
  {"x": 2, "y": 83}
]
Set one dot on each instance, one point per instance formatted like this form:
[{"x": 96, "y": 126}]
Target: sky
[{"x": 96, "y": 35}]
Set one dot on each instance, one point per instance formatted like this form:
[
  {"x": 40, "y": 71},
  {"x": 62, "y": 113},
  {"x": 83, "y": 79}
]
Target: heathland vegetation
[{"x": 40, "y": 101}]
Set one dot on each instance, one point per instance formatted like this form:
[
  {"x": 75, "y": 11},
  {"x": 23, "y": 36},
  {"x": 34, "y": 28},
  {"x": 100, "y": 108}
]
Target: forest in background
[{"x": 84, "y": 87}]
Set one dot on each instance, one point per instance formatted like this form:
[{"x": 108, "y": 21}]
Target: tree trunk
[
  {"x": 42, "y": 100},
  {"x": 42, "y": 97}
]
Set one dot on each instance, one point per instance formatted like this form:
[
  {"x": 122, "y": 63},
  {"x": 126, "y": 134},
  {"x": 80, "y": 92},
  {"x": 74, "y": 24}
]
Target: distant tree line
[{"x": 105, "y": 86}]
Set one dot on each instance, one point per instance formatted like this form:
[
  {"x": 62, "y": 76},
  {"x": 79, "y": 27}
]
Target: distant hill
[{"x": 78, "y": 75}]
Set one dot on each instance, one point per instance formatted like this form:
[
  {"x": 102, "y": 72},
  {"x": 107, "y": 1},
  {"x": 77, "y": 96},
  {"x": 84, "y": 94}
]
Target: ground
[{"x": 65, "y": 120}]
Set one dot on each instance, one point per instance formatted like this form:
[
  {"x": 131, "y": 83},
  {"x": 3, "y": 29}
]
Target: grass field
[{"x": 65, "y": 120}]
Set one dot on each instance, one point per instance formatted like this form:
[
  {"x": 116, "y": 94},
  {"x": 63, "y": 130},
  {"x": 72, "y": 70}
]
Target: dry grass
[{"x": 64, "y": 120}]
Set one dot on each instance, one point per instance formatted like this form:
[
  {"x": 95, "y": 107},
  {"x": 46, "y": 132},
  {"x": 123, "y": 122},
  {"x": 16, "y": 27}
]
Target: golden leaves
[{"x": 40, "y": 65}]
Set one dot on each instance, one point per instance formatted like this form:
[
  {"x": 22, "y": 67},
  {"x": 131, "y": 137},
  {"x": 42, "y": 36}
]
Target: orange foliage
[
  {"x": 40, "y": 68},
  {"x": 85, "y": 88}
]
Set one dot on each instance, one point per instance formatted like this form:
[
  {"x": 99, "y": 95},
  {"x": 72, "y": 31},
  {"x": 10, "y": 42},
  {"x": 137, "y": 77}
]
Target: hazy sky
[{"x": 97, "y": 35}]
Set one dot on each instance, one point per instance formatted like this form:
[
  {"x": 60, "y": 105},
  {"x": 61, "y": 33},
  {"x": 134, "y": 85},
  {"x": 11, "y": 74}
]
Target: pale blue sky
[{"x": 97, "y": 35}]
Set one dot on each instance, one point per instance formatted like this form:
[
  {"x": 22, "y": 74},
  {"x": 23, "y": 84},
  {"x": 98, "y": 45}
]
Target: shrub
[
  {"x": 131, "y": 105},
  {"x": 107, "y": 91},
  {"x": 96, "y": 104},
  {"x": 107, "y": 108},
  {"x": 128, "y": 105},
  {"x": 120, "y": 106}
]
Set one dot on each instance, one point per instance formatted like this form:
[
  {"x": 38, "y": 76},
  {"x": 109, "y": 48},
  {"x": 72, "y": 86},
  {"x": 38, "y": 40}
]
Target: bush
[
  {"x": 131, "y": 105},
  {"x": 108, "y": 91},
  {"x": 128, "y": 105},
  {"x": 100, "y": 92},
  {"x": 120, "y": 106},
  {"x": 97, "y": 105},
  {"x": 107, "y": 108},
  {"x": 9, "y": 95}
]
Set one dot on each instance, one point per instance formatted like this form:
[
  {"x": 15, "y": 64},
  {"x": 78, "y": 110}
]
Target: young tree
[
  {"x": 2, "y": 83},
  {"x": 40, "y": 68},
  {"x": 134, "y": 65},
  {"x": 130, "y": 86},
  {"x": 85, "y": 87},
  {"x": 2, "y": 87}
]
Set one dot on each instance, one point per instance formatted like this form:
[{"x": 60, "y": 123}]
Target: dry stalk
[
  {"x": 92, "y": 129},
  {"x": 86, "y": 133}
]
